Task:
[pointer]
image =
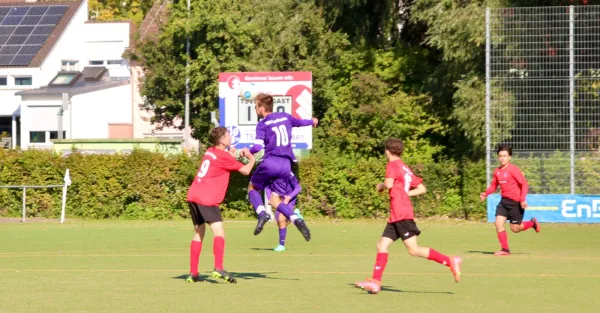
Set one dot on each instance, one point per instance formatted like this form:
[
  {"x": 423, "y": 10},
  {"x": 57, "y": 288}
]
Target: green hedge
[{"x": 148, "y": 185}]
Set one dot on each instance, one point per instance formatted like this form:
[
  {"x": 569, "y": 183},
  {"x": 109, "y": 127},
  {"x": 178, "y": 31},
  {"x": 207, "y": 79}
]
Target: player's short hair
[
  {"x": 505, "y": 148},
  {"x": 395, "y": 146},
  {"x": 265, "y": 101},
  {"x": 216, "y": 134}
]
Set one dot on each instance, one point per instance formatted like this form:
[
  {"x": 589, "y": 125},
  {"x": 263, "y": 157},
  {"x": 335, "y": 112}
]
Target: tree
[
  {"x": 109, "y": 10},
  {"x": 239, "y": 36}
]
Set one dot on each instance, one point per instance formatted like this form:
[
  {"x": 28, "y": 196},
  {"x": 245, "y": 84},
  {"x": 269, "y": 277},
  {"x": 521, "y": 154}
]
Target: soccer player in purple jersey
[
  {"x": 289, "y": 190},
  {"x": 274, "y": 133}
]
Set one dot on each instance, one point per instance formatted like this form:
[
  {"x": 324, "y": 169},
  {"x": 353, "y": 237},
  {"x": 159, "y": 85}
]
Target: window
[
  {"x": 70, "y": 66},
  {"x": 96, "y": 62},
  {"x": 64, "y": 79},
  {"x": 54, "y": 134},
  {"x": 23, "y": 81},
  {"x": 37, "y": 137},
  {"x": 113, "y": 62},
  {"x": 3, "y": 81}
]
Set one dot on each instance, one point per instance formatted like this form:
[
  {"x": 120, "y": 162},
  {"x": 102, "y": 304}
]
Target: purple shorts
[{"x": 270, "y": 170}]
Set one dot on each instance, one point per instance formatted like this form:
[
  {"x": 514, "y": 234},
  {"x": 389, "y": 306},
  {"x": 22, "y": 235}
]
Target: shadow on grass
[
  {"x": 237, "y": 275},
  {"x": 388, "y": 288},
  {"x": 492, "y": 252}
]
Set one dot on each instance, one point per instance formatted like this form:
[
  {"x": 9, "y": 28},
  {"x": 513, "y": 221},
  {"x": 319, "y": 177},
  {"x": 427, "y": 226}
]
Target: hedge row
[{"x": 148, "y": 185}]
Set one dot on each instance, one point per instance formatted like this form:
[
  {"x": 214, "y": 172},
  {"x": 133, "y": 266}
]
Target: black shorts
[
  {"x": 404, "y": 229},
  {"x": 204, "y": 214},
  {"x": 510, "y": 209}
]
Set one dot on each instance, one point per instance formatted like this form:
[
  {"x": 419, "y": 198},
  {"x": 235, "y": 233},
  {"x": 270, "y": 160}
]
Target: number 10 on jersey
[{"x": 281, "y": 132}]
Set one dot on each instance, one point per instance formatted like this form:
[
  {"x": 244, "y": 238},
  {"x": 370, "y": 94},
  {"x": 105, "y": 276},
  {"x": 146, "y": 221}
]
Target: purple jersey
[
  {"x": 285, "y": 187},
  {"x": 274, "y": 132}
]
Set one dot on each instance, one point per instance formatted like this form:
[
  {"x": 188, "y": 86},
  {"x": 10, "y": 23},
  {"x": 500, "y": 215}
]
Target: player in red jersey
[
  {"x": 513, "y": 204},
  {"x": 206, "y": 194},
  {"x": 403, "y": 184}
]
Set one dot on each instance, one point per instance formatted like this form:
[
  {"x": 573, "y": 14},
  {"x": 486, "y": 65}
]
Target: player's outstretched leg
[
  {"x": 195, "y": 249},
  {"x": 219, "y": 253},
  {"x": 300, "y": 224},
  {"x": 282, "y": 226},
  {"x": 502, "y": 236},
  {"x": 533, "y": 223},
  {"x": 453, "y": 262}
]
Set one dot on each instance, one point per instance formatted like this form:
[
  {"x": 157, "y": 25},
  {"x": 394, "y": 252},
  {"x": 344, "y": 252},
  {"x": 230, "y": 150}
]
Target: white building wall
[
  {"x": 40, "y": 114},
  {"x": 92, "y": 112}
]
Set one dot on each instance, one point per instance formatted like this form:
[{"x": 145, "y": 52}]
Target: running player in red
[
  {"x": 206, "y": 194},
  {"x": 403, "y": 184},
  {"x": 513, "y": 204}
]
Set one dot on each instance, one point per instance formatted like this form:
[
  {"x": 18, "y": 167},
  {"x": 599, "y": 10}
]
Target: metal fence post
[
  {"x": 24, "y": 202},
  {"x": 487, "y": 96},
  {"x": 572, "y": 94}
]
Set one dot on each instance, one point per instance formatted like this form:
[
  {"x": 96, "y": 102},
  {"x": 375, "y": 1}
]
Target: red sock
[
  {"x": 527, "y": 225},
  {"x": 195, "y": 249},
  {"x": 438, "y": 257},
  {"x": 219, "y": 251},
  {"x": 503, "y": 240},
  {"x": 380, "y": 263}
]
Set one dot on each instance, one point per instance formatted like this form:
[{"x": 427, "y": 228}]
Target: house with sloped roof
[{"x": 65, "y": 76}]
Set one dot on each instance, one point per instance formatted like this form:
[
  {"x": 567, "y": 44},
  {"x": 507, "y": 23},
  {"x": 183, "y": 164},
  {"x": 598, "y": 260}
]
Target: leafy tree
[{"x": 240, "y": 36}]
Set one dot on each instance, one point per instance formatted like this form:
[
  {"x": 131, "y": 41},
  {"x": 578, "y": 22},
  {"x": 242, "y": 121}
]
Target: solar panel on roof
[
  {"x": 12, "y": 20},
  {"x": 22, "y": 59},
  {"x": 57, "y": 9},
  {"x": 43, "y": 30},
  {"x": 10, "y": 49},
  {"x": 16, "y": 40},
  {"x": 33, "y": 49},
  {"x": 36, "y": 39},
  {"x": 19, "y": 45},
  {"x": 23, "y": 30},
  {"x": 6, "y": 59},
  {"x": 18, "y": 11},
  {"x": 31, "y": 20},
  {"x": 41, "y": 10},
  {"x": 50, "y": 19},
  {"x": 7, "y": 30}
]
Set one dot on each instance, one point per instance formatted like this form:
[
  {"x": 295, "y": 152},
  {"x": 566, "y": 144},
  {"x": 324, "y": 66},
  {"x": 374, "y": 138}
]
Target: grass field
[{"x": 114, "y": 266}]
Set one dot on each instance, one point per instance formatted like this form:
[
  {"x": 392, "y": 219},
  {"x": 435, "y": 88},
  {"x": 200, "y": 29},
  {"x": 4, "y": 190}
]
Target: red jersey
[
  {"x": 513, "y": 184},
  {"x": 404, "y": 180},
  {"x": 210, "y": 184}
]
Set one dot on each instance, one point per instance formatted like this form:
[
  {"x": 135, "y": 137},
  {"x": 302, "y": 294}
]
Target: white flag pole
[{"x": 64, "y": 196}]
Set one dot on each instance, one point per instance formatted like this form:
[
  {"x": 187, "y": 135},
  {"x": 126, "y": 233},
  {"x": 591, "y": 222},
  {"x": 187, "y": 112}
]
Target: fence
[
  {"x": 542, "y": 94},
  {"x": 67, "y": 183}
]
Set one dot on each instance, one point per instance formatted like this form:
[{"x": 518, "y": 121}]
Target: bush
[{"x": 148, "y": 185}]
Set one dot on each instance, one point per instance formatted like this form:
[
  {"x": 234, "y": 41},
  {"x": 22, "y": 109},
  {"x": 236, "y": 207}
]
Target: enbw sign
[{"x": 555, "y": 208}]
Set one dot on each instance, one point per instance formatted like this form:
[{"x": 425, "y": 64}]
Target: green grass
[{"x": 114, "y": 266}]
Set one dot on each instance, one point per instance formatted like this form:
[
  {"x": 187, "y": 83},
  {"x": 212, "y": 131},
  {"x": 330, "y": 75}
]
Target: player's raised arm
[
  {"x": 301, "y": 123},
  {"x": 246, "y": 169},
  {"x": 259, "y": 143},
  {"x": 297, "y": 188},
  {"x": 491, "y": 189}
]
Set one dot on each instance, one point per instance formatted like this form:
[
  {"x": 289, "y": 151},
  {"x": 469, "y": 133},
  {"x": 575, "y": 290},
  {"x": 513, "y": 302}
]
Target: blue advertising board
[{"x": 555, "y": 208}]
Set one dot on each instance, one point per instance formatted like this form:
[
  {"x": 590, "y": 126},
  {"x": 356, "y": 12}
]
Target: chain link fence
[{"x": 542, "y": 95}]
